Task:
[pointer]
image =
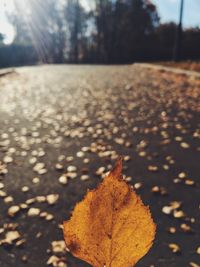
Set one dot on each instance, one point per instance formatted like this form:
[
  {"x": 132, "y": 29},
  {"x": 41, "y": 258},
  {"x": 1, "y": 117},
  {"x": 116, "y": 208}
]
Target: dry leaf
[{"x": 111, "y": 227}]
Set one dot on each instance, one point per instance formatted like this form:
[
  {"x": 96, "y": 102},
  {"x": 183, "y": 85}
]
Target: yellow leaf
[{"x": 111, "y": 227}]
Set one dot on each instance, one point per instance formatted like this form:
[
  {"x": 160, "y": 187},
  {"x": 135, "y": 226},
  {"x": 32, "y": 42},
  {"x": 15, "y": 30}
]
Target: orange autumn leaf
[{"x": 111, "y": 227}]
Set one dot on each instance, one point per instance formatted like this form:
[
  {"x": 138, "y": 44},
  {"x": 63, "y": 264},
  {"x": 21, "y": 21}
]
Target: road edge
[
  {"x": 168, "y": 69},
  {"x": 5, "y": 72}
]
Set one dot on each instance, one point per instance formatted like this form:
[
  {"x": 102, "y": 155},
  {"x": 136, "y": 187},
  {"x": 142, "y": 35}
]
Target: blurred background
[
  {"x": 97, "y": 31},
  {"x": 63, "y": 124}
]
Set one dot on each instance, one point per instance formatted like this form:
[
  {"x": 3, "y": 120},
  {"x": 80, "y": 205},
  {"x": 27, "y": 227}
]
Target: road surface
[{"x": 63, "y": 127}]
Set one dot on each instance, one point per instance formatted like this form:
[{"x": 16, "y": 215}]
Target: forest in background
[{"x": 106, "y": 32}]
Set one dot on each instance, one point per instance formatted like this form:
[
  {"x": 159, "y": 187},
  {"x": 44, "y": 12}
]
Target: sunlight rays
[{"x": 34, "y": 19}]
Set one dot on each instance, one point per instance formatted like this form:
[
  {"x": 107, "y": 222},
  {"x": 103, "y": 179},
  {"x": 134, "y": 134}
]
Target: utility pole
[{"x": 178, "y": 39}]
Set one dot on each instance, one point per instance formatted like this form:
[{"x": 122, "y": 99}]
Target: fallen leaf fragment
[
  {"x": 111, "y": 227},
  {"x": 193, "y": 264},
  {"x": 52, "y": 260},
  {"x": 153, "y": 168},
  {"x": 33, "y": 212},
  {"x": 167, "y": 210},
  {"x": 185, "y": 145},
  {"x": 186, "y": 228},
  {"x": 13, "y": 210},
  {"x": 52, "y": 199},
  {"x": 171, "y": 230},
  {"x": 20, "y": 242},
  {"x": 56, "y": 262},
  {"x": 58, "y": 246},
  {"x": 198, "y": 250},
  {"x": 174, "y": 248},
  {"x": 10, "y": 237},
  {"x": 178, "y": 214},
  {"x": 24, "y": 258},
  {"x": 63, "y": 179}
]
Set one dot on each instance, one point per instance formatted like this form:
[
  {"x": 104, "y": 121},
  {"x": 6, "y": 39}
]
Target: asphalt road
[{"x": 60, "y": 124}]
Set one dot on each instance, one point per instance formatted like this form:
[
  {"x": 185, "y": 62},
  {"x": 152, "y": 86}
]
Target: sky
[
  {"x": 5, "y": 26},
  {"x": 167, "y": 9}
]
